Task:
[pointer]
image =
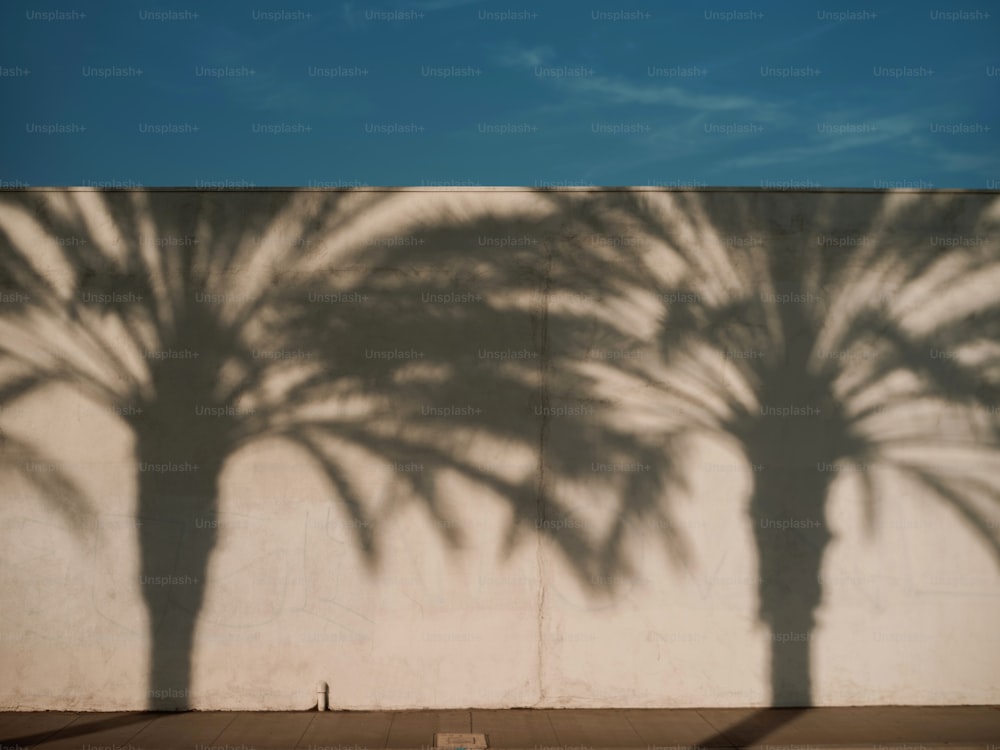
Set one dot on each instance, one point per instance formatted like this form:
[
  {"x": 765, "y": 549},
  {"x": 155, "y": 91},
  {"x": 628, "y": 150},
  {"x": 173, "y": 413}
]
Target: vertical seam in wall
[{"x": 542, "y": 437}]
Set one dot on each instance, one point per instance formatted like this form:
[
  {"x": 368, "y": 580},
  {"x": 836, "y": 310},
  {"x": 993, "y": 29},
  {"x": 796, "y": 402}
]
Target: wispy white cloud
[
  {"x": 817, "y": 144},
  {"x": 600, "y": 90},
  {"x": 616, "y": 91}
]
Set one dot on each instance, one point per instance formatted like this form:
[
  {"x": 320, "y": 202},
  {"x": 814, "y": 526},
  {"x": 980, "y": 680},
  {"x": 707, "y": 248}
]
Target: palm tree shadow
[
  {"x": 798, "y": 330},
  {"x": 209, "y": 321}
]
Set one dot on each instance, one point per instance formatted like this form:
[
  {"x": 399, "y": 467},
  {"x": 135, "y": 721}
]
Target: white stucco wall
[{"x": 909, "y": 612}]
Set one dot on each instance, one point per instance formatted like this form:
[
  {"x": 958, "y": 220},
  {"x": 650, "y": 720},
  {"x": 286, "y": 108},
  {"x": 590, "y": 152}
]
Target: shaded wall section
[{"x": 498, "y": 447}]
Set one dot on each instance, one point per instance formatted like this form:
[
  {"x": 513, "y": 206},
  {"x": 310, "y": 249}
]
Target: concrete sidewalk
[{"x": 872, "y": 728}]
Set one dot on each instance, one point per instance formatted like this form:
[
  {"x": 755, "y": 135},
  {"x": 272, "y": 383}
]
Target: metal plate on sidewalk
[{"x": 455, "y": 741}]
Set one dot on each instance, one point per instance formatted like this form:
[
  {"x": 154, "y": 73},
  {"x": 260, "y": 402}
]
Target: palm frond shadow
[
  {"x": 210, "y": 321},
  {"x": 809, "y": 332}
]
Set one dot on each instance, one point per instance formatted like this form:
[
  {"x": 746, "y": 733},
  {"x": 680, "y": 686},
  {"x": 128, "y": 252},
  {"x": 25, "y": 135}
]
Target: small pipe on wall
[{"x": 322, "y": 696}]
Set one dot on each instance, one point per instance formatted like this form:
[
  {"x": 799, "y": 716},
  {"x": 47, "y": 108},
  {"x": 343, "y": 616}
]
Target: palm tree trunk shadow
[{"x": 177, "y": 536}]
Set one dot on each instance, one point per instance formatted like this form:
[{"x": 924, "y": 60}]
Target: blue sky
[{"x": 498, "y": 92}]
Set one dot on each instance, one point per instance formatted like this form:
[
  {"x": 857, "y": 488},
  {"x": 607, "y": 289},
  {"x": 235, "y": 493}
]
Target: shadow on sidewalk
[
  {"x": 757, "y": 726},
  {"x": 76, "y": 728}
]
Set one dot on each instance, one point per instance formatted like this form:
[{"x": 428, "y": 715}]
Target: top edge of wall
[{"x": 489, "y": 189}]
